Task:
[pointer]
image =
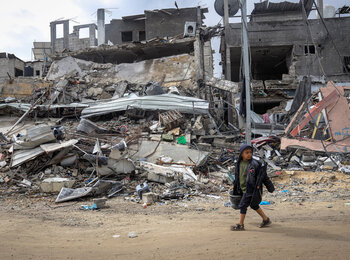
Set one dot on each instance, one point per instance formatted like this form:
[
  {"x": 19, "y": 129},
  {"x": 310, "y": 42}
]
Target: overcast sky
[{"x": 25, "y": 21}]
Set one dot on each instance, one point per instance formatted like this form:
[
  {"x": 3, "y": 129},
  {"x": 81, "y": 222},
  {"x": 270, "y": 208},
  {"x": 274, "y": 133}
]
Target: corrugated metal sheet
[
  {"x": 24, "y": 107},
  {"x": 36, "y": 135},
  {"x": 22, "y": 156},
  {"x": 57, "y": 146},
  {"x": 160, "y": 102}
]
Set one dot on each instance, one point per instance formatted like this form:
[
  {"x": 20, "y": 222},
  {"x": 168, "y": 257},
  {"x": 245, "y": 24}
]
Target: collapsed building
[
  {"x": 143, "y": 105},
  {"x": 10, "y": 66},
  {"x": 285, "y": 46},
  {"x": 152, "y": 24}
]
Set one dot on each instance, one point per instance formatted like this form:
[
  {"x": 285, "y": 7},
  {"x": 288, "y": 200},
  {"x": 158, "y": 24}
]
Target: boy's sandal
[
  {"x": 265, "y": 223},
  {"x": 238, "y": 227}
]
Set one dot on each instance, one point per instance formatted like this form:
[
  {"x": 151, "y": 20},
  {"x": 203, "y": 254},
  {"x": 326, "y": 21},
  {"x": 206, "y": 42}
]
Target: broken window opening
[
  {"x": 310, "y": 49},
  {"x": 142, "y": 36},
  {"x": 18, "y": 72},
  {"x": 262, "y": 107},
  {"x": 59, "y": 31},
  {"x": 37, "y": 72},
  {"x": 84, "y": 33},
  {"x": 347, "y": 63},
  {"x": 268, "y": 63},
  {"x": 127, "y": 36}
]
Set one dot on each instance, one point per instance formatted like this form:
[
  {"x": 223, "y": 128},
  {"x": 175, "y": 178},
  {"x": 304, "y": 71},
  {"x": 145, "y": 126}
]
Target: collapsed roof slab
[
  {"x": 168, "y": 71},
  {"x": 129, "y": 53}
]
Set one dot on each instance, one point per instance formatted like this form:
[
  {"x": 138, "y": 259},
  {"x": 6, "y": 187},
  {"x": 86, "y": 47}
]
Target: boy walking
[{"x": 250, "y": 176}]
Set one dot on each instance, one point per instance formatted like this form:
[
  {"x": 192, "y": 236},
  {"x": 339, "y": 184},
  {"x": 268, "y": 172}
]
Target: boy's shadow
[{"x": 301, "y": 232}]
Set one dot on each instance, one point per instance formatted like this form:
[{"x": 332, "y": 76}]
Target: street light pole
[{"x": 246, "y": 64}]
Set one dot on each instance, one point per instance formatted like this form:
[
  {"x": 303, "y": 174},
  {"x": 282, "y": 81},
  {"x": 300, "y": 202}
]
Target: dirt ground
[{"x": 36, "y": 228}]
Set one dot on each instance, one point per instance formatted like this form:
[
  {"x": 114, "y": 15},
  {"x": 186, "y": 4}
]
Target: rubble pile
[{"x": 153, "y": 141}]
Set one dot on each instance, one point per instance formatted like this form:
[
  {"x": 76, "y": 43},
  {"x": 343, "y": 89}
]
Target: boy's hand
[{"x": 258, "y": 187}]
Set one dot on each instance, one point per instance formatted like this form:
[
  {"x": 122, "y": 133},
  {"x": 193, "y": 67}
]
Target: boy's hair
[{"x": 244, "y": 147}]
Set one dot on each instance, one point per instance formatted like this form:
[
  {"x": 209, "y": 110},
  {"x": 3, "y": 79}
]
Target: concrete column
[
  {"x": 320, "y": 8},
  {"x": 53, "y": 36},
  {"x": 101, "y": 26},
  {"x": 76, "y": 30},
  {"x": 92, "y": 34},
  {"x": 66, "y": 35}
]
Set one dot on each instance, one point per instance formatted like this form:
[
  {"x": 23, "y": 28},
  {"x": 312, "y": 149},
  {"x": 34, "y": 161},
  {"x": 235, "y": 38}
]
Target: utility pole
[
  {"x": 230, "y": 109},
  {"x": 246, "y": 63},
  {"x": 320, "y": 9}
]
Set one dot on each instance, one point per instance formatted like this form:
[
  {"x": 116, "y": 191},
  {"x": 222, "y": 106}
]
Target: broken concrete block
[
  {"x": 212, "y": 131},
  {"x": 115, "y": 154},
  {"x": 105, "y": 95},
  {"x": 176, "y": 151},
  {"x": 124, "y": 166},
  {"x": 75, "y": 172},
  {"x": 159, "y": 177},
  {"x": 105, "y": 170},
  {"x": 155, "y": 137},
  {"x": 308, "y": 157},
  {"x": 100, "y": 202},
  {"x": 69, "y": 160},
  {"x": 204, "y": 147},
  {"x": 56, "y": 184},
  {"x": 198, "y": 128},
  {"x": 150, "y": 197},
  {"x": 167, "y": 137},
  {"x": 93, "y": 92}
]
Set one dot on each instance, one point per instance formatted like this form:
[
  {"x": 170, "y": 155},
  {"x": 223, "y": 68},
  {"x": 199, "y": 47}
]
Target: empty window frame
[
  {"x": 127, "y": 36},
  {"x": 18, "y": 72},
  {"x": 142, "y": 36},
  {"x": 310, "y": 49}
]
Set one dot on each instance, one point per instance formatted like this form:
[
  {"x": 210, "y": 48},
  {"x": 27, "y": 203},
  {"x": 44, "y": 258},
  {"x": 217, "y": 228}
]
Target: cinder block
[
  {"x": 150, "y": 197},
  {"x": 56, "y": 184}
]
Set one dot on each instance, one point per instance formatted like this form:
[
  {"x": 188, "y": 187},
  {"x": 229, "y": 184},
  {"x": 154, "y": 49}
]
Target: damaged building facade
[
  {"x": 285, "y": 46},
  {"x": 168, "y": 23},
  {"x": 10, "y": 66},
  {"x": 172, "y": 54},
  {"x": 136, "y": 28}
]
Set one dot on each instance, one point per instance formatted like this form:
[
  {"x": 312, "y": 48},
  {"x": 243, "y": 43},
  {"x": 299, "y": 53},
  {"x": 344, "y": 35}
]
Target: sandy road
[{"x": 308, "y": 231}]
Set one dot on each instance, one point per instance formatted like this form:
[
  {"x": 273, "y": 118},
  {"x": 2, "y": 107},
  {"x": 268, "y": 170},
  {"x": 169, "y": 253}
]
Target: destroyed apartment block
[
  {"x": 286, "y": 45},
  {"x": 138, "y": 110}
]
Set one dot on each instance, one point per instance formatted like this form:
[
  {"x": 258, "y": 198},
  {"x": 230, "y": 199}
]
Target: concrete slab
[{"x": 175, "y": 151}]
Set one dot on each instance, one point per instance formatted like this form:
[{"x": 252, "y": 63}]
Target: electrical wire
[
  {"x": 316, "y": 51},
  {"x": 332, "y": 41}
]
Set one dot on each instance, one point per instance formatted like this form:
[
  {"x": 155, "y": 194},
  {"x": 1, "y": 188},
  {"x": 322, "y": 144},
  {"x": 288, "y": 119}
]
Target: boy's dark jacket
[{"x": 256, "y": 176}]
